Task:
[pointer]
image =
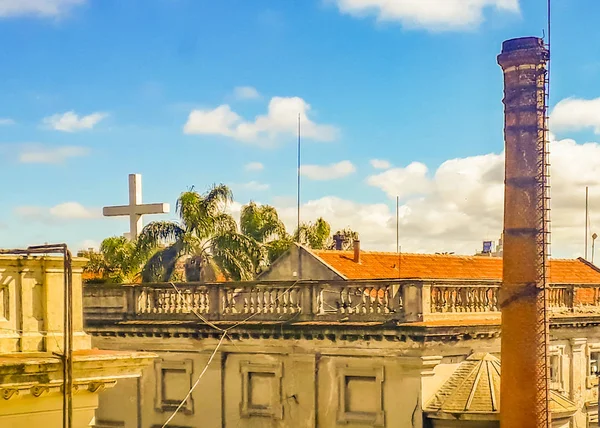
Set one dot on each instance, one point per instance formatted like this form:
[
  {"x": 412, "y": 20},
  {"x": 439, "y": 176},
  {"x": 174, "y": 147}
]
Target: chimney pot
[{"x": 356, "y": 247}]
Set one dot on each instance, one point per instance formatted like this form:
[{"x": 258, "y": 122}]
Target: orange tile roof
[{"x": 377, "y": 265}]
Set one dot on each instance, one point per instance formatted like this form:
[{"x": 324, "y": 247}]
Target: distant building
[
  {"x": 341, "y": 338},
  {"x": 31, "y": 345},
  {"x": 490, "y": 249}
]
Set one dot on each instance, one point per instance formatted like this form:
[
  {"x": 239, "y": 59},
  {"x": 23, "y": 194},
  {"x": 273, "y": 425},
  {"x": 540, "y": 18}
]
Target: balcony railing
[{"x": 383, "y": 300}]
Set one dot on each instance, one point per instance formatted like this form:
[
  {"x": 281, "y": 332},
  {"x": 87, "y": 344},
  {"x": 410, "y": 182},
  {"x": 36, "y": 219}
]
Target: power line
[{"x": 225, "y": 334}]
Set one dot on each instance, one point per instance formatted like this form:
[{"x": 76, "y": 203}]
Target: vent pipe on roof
[{"x": 356, "y": 247}]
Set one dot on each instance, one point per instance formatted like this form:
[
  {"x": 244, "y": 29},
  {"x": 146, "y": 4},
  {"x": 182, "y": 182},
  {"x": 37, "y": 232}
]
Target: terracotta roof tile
[{"x": 377, "y": 265}]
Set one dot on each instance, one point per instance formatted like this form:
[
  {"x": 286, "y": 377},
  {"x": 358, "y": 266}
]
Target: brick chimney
[
  {"x": 523, "y": 294},
  {"x": 356, "y": 247}
]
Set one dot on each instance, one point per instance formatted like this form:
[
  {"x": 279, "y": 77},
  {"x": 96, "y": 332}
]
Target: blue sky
[{"x": 93, "y": 90}]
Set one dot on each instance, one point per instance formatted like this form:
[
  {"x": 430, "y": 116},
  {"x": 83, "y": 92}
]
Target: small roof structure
[{"x": 473, "y": 393}]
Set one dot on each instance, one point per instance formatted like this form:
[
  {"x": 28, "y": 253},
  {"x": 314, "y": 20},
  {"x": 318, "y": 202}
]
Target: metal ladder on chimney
[{"x": 543, "y": 241}]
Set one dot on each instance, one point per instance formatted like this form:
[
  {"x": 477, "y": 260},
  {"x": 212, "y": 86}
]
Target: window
[
  {"x": 261, "y": 390},
  {"x": 361, "y": 395},
  {"x": 554, "y": 369},
  {"x": 594, "y": 358}
]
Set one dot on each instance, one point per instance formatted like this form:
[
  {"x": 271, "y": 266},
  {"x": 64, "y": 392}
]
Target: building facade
[
  {"x": 419, "y": 349},
  {"x": 31, "y": 347}
]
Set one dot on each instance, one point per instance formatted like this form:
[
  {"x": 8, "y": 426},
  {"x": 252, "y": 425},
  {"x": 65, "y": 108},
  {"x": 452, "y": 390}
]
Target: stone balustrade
[{"x": 383, "y": 300}]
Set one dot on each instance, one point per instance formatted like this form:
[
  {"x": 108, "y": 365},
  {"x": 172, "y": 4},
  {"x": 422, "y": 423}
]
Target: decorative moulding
[
  {"x": 346, "y": 414},
  {"x": 253, "y": 374}
]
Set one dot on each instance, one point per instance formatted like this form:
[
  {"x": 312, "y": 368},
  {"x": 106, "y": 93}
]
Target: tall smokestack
[{"x": 524, "y": 387}]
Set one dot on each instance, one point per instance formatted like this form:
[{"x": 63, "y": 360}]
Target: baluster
[
  {"x": 202, "y": 301},
  {"x": 471, "y": 299},
  {"x": 342, "y": 301},
  {"x": 452, "y": 299},
  {"x": 227, "y": 297},
  {"x": 298, "y": 299},
  {"x": 291, "y": 301},
  {"x": 252, "y": 304},
  {"x": 277, "y": 300},
  {"x": 196, "y": 298},
  {"x": 151, "y": 301},
  {"x": 269, "y": 300},
  {"x": 178, "y": 302},
  {"x": 434, "y": 304},
  {"x": 225, "y": 302},
  {"x": 174, "y": 298},
  {"x": 139, "y": 306},
  {"x": 349, "y": 308},
  {"x": 386, "y": 299},
  {"x": 380, "y": 309},
  {"x": 478, "y": 300},
  {"x": 373, "y": 300}
]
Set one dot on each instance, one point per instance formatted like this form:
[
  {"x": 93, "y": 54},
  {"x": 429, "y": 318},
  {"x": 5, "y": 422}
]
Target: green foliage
[
  {"x": 117, "y": 261},
  {"x": 261, "y": 223},
  {"x": 314, "y": 235},
  {"x": 206, "y": 240},
  {"x": 206, "y": 243}
]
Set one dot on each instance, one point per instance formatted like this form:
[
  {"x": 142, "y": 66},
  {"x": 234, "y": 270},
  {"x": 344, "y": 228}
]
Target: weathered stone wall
[
  {"x": 31, "y": 304},
  {"x": 259, "y": 382}
]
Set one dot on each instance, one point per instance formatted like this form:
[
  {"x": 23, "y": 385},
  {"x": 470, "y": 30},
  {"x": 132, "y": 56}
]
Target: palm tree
[
  {"x": 118, "y": 260},
  {"x": 262, "y": 224},
  {"x": 206, "y": 240}
]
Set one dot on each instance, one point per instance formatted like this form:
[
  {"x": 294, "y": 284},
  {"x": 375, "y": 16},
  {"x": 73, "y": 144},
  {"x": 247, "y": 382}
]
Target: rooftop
[
  {"x": 473, "y": 391},
  {"x": 379, "y": 265}
]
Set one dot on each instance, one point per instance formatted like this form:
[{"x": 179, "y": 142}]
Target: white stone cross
[{"x": 135, "y": 210}]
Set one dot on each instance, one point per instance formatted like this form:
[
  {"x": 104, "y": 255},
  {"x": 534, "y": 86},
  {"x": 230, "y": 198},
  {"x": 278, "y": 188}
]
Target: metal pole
[
  {"x": 398, "y": 232},
  {"x": 586, "y": 222},
  {"x": 298, "y": 177}
]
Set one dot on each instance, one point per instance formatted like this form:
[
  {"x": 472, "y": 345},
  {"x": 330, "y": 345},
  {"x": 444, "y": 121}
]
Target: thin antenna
[
  {"x": 298, "y": 177},
  {"x": 549, "y": 16},
  {"x": 398, "y": 231},
  {"x": 586, "y": 221}
]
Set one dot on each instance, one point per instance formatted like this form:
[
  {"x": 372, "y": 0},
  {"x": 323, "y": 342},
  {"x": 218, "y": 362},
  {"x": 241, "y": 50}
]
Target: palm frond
[
  {"x": 236, "y": 255},
  {"x": 159, "y": 233},
  {"x": 161, "y": 265}
]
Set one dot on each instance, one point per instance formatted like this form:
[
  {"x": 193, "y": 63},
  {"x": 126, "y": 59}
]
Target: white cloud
[
  {"x": 460, "y": 204},
  {"x": 255, "y": 185},
  {"x": 380, "y": 164},
  {"x": 281, "y": 121},
  {"x": 576, "y": 114},
  {"x": 43, "y": 8},
  {"x": 246, "y": 93},
  {"x": 64, "y": 211},
  {"x": 328, "y": 172},
  {"x": 6, "y": 121},
  {"x": 71, "y": 122},
  {"x": 254, "y": 166},
  {"x": 402, "y": 181},
  {"x": 429, "y": 14},
  {"x": 50, "y": 155}
]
